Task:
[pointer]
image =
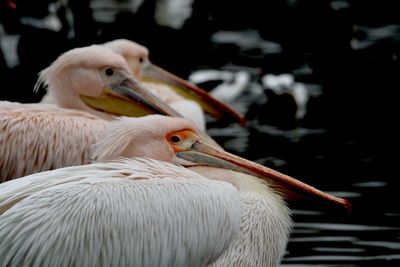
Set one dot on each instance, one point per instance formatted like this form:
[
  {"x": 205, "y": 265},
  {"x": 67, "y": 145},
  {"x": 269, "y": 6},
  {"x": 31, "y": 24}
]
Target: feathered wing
[
  {"x": 137, "y": 212},
  {"x": 38, "y": 137},
  {"x": 140, "y": 168}
]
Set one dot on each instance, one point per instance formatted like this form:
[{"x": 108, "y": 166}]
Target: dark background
[{"x": 347, "y": 143}]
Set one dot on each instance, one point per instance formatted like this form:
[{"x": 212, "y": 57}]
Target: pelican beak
[
  {"x": 204, "y": 154},
  {"x": 211, "y": 105},
  {"x": 128, "y": 98}
]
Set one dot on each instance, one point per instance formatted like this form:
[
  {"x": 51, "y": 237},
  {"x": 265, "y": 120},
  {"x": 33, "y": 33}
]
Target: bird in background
[
  {"x": 145, "y": 212},
  {"x": 183, "y": 96}
]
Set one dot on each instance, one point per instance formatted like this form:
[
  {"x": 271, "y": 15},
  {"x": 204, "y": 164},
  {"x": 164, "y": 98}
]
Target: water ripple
[
  {"x": 345, "y": 250},
  {"x": 344, "y": 227},
  {"x": 324, "y": 239},
  {"x": 385, "y": 244},
  {"x": 342, "y": 258},
  {"x": 370, "y": 184}
]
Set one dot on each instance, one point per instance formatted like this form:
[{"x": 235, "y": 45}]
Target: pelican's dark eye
[
  {"x": 109, "y": 72},
  {"x": 175, "y": 139},
  {"x": 141, "y": 60}
]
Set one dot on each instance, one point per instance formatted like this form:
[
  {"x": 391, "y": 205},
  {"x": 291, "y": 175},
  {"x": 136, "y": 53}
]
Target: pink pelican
[
  {"x": 148, "y": 213},
  {"x": 97, "y": 80},
  {"x": 183, "y": 96},
  {"x": 92, "y": 80}
]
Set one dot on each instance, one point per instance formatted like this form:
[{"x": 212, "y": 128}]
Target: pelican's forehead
[
  {"x": 157, "y": 124},
  {"x": 127, "y": 48},
  {"x": 94, "y": 56},
  {"x": 171, "y": 124}
]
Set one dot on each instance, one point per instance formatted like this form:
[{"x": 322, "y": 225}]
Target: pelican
[
  {"x": 183, "y": 96},
  {"x": 109, "y": 213},
  {"x": 97, "y": 80},
  {"x": 91, "y": 79}
]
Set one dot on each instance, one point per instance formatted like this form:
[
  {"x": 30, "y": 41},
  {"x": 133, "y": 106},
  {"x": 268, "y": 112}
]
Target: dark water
[
  {"x": 369, "y": 236},
  {"x": 343, "y": 55},
  {"x": 342, "y": 145}
]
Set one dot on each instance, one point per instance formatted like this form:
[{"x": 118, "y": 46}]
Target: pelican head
[
  {"x": 178, "y": 141},
  {"x": 137, "y": 57},
  {"x": 97, "y": 80}
]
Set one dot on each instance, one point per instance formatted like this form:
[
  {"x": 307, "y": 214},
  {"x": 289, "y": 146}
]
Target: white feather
[{"x": 137, "y": 212}]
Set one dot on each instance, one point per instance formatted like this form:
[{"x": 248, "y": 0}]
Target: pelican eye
[
  {"x": 109, "y": 72},
  {"x": 141, "y": 60},
  {"x": 175, "y": 139}
]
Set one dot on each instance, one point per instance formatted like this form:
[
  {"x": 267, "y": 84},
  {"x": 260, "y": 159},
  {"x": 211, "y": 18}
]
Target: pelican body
[
  {"x": 37, "y": 138},
  {"x": 137, "y": 212},
  {"x": 256, "y": 232}
]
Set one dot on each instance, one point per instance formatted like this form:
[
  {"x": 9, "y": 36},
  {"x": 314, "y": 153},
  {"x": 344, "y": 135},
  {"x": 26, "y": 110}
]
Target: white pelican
[
  {"x": 138, "y": 212},
  {"x": 181, "y": 95},
  {"x": 30, "y": 201}
]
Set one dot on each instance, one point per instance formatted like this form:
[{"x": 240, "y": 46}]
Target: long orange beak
[
  {"x": 211, "y": 105},
  {"x": 204, "y": 154}
]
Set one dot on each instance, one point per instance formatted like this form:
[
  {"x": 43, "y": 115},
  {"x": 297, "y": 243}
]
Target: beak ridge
[
  {"x": 204, "y": 154},
  {"x": 128, "y": 98},
  {"x": 190, "y": 91}
]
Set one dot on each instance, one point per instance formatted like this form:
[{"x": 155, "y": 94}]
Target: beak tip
[
  {"x": 235, "y": 115},
  {"x": 242, "y": 121},
  {"x": 347, "y": 205}
]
